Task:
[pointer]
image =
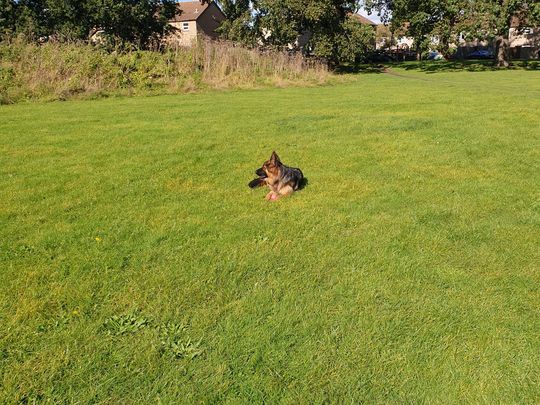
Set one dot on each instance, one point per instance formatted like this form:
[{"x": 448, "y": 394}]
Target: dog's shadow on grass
[{"x": 303, "y": 183}]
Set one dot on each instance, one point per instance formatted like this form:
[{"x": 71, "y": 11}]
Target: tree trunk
[
  {"x": 445, "y": 47},
  {"x": 502, "y": 51}
]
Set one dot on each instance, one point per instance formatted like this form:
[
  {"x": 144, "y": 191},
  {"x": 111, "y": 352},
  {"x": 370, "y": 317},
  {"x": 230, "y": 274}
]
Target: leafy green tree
[
  {"x": 448, "y": 25},
  {"x": 350, "y": 44},
  {"x": 68, "y": 19},
  {"x": 30, "y": 18},
  {"x": 423, "y": 19},
  {"x": 238, "y": 26},
  {"x": 7, "y": 16},
  {"x": 333, "y": 34},
  {"x": 132, "y": 21},
  {"x": 282, "y": 23},
  {"x": 421, "y": 23}
]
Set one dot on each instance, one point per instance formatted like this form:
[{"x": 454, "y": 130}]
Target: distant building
[
  {"x": 524, "y": 41},
  {"x": 391, "y": 38},
  {"x": 195, "y": 19},
  {"x": 364, "y": 20}
]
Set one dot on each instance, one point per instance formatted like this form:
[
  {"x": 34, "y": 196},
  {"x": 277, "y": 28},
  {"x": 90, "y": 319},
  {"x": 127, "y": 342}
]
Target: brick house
[{"x": 195, "y": 19}]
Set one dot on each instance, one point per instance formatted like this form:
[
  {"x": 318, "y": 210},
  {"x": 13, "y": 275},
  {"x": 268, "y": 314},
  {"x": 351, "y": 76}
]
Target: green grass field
[{"x": 137, "y": 267}]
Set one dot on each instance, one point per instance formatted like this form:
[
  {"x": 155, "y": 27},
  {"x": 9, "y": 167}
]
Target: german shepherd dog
[{"x": 282, "y": 180}]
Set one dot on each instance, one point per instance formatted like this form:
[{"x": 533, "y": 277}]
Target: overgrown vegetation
[{"x": 59, "y": 71}]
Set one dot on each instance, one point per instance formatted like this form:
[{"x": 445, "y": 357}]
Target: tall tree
[
  {"x": 7, "y": 16},
  {"x": 30, "y": 18},
  {"x": 68, "y": 19},
  {"x": 423, "y": 19},
  {"x": 238, "y": 26},
  {"x": 417, "y": 17},
  {"x": 133, "y": 21},
  {"x": 332, "y": 33},
  {"x": 355, "y": 41},
  {"x": 449, "y": 20}
]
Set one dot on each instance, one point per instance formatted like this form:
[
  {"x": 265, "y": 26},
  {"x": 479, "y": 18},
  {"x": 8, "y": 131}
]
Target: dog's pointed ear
[{"x": 274, "y": 158}]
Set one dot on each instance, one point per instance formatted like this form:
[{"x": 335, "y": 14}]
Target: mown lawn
[{"x": 137, "y": 267}]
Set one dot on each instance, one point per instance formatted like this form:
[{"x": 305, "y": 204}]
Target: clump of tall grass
[{"x": 58, "y": 71}]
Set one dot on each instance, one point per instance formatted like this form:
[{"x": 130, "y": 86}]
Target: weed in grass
[
  {"x": 60, "y": 321},
  {"x": 118, "y": 325},
  {"x": 175, "y": 342}
]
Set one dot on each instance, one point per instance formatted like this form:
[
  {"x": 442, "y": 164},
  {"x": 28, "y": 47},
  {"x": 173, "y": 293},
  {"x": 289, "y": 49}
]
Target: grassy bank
[
  {"x": 137, "y": 267},
  {"x": 55, "y": 71}
]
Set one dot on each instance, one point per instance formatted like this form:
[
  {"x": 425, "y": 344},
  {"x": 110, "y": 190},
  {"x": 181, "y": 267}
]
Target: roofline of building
[{"x": 204, "y": 11}]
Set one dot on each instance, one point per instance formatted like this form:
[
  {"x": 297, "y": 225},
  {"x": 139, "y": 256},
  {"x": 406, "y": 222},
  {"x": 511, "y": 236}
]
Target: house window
[{"x": 185, "y": 26}]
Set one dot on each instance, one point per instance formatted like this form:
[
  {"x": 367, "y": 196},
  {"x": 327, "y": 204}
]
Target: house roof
[
  {"x": 363, "y": 20},
  {"x": 189, "y": 10},
  {"x": 518, "y": 21}
]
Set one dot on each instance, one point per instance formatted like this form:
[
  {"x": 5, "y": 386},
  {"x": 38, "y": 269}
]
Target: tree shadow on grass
[
  {"x": 437, "y": 66},
  {"x": 466, "y": 66},
  {"x": 360, "y": 68}
]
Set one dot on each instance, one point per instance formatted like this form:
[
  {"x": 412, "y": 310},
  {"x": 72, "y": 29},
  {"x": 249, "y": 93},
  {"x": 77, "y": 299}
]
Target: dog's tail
[{"x": 258, "y": 182}]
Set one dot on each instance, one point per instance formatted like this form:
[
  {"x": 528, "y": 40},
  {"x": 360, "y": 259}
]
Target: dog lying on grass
[{"x": 281, "y": 179}]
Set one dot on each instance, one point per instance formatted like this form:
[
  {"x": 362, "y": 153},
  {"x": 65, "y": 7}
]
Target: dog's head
[{"x": 270, "y": 168}]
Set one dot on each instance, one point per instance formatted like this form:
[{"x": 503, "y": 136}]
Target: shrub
[{"x": 58, "y": 71}]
